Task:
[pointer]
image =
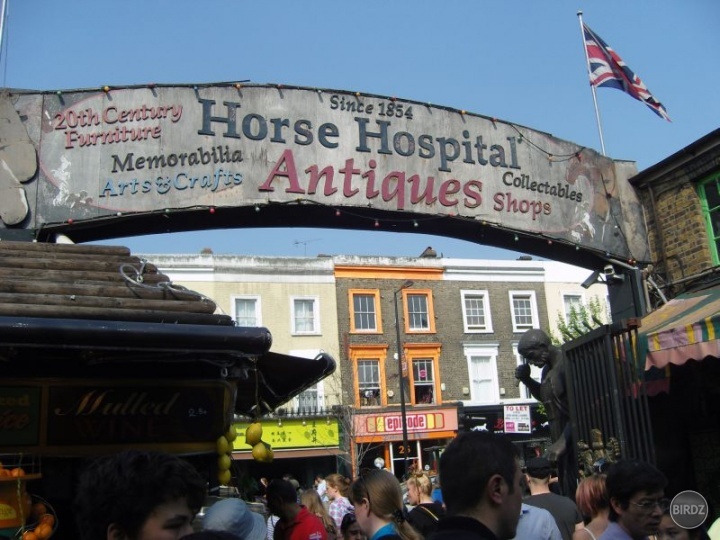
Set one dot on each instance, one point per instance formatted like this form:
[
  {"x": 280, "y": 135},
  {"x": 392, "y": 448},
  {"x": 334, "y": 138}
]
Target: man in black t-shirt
[{"x": 563, "y": 509}]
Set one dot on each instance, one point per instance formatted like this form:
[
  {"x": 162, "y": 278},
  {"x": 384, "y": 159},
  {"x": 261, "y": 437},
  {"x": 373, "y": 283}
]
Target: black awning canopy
[
  {"x": 90, "y": 349},
  {"x": 282, "y": 377},
  {"x": 74, "y": 312}
]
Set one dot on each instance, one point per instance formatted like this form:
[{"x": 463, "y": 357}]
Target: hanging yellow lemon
[
  {"x": 224, "y": 462},
  {"x": 253, "y": 433},
  {"x": 262, "y": 452},
  {"x": 231, "y": 433},
  {"x": 222, "y": 445},
  {"x": 224, "y": 477}
]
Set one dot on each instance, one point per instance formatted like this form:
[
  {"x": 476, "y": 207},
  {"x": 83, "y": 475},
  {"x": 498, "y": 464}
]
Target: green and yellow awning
[{"x": 686, "y": 328}]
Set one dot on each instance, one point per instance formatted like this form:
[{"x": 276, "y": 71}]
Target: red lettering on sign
[{"x": 11, "y": 420}]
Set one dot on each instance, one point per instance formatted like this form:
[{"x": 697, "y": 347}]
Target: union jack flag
[{"x": 608, "y": 69}]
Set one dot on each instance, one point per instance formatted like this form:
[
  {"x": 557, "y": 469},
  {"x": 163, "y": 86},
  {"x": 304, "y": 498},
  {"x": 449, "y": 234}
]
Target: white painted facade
[
  {"x": 293, "y": 297},
  {"x": 563, "y": 288}
]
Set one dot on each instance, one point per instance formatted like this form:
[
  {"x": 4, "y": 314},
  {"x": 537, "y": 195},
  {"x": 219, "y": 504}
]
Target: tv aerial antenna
[{"x": 305, "y": 243}]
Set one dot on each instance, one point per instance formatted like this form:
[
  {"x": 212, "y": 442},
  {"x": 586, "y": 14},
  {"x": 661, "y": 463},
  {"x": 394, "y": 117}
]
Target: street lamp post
[{"x": 403, "y": 413}]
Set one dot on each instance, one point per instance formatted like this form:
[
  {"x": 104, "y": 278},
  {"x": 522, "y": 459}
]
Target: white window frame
[
  {"x": 486, "y": 350},
  {"x": 377, "y": 361},
  {"x": 488, "y": 329},
  {"x": 376, "y": 306},
  {"x": 319, "y": 388},
  {"x": 410, "y": 316},
  {"x": 258, "y": 307},
  {"x": 533, "y": 308},
  {"x": 564, "y": 295},
  {"x": 431, "y": 382},
  {"x": 316, "y": 316},
  {"x": 535, "y": 373}
]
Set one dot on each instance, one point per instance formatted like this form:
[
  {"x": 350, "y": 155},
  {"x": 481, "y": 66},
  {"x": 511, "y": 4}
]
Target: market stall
[{"x": 101, "y": 352}]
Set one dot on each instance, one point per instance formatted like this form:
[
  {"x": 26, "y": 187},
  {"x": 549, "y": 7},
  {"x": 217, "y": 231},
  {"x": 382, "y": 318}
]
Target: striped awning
[{"x": 686, "y": 328}]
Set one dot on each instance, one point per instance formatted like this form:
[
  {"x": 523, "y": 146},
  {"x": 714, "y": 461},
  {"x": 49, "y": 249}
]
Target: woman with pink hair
[{"x": 594, "y": 504}]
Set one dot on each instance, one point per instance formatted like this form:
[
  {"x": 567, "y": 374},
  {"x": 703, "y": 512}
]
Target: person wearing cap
[
  {"x": 296, "y": 522},
  {"x": 564, "y": 510},
  {"x": 234, "y": 516}
]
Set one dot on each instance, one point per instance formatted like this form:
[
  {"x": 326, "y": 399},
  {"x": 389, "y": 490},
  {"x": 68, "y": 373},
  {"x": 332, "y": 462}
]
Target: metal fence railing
[{"x": 606, "y": 391}]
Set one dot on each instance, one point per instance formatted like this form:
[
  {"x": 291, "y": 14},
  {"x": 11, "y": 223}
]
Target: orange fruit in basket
[
  {"x": 49, "y": 519},
  {"x": 4, "y": 473},
  {"x": 43, "y": 531},
  {"x": 38, "y": 509},
  {"x": 17, "y": 472},
  {"x": 29, "y": 535}
]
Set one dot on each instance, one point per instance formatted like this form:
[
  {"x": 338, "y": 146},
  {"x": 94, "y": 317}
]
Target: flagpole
[
  {"x": 592, "y": 87},
  {"x": 3, "y": 12}
]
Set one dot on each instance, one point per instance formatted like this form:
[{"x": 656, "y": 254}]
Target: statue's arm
[{"x": 534, "y": 388}]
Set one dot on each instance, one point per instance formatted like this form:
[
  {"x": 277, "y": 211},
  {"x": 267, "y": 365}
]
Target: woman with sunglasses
[{"x": 379, "y": 508}]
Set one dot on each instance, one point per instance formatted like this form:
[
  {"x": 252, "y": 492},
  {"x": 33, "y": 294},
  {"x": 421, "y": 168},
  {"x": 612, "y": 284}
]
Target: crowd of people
[{"x": 487, "y": 495}]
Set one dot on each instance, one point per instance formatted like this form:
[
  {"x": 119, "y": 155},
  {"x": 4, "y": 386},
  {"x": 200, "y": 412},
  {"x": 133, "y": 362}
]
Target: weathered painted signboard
[
  {"x": 158, "y": 149},
  {"x": 63, "y": 417}
]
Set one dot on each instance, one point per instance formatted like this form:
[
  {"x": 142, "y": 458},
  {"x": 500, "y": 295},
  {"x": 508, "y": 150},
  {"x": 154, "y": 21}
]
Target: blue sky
[{"x": 520, "y": 61}]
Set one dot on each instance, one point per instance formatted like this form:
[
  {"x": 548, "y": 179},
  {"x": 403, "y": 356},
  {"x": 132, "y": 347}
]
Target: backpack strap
[{"x": 429, "y": 512}]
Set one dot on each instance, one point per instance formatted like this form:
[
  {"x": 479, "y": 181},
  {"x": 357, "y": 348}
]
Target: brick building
[
  {"x": 681, "y": 199},
  {"x": 460, "y": 323}
]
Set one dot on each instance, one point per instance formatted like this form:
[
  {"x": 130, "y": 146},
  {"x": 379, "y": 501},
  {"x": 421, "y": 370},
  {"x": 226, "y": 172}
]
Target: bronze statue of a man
[{"x": 535, "y": 346}]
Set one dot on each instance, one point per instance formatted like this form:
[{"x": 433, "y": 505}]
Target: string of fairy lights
[{"x": 341, "y": 212}]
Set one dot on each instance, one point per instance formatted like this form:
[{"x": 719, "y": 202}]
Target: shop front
[
  {"x": 679, "y": 348},
  {"x": 302, "y": 447},
  {"x": 524, "y": 423},
  {"x": 380, "y": 435},
  {"x": 51, "y": 426}
]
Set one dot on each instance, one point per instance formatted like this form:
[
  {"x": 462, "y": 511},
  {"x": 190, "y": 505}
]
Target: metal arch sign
[{"x": 137, "y": 150}]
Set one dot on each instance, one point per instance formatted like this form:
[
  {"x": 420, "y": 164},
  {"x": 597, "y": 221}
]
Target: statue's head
[{"x": 535, "y": 346}]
